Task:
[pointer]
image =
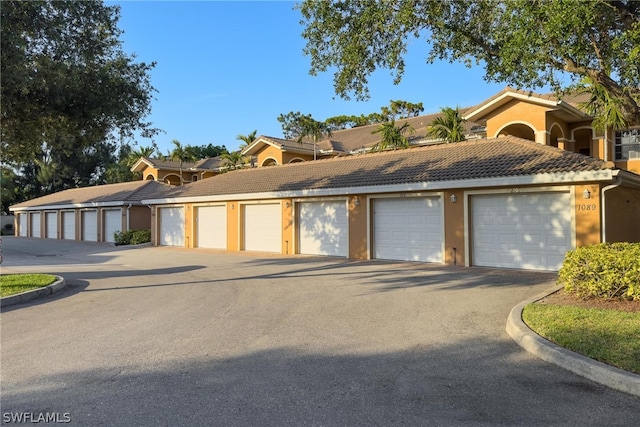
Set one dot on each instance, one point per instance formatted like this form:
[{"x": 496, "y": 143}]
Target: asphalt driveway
[{"x": 161, "y": 336}]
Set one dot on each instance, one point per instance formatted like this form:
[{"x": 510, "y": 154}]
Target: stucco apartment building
[{"x": 534, "y": 182}]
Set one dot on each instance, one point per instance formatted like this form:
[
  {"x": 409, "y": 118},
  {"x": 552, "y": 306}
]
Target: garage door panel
[
  {"x": 22, "y": 219},
  {"x": 323, "y": 228},
  {"x": 211, "y": 222},
  {"x": 112, "y": 223},
  {"x": 51, "y": 219},
  {"x": 69, "y": 225},
  {"x": 408, "y": 229},
  {"x": 171, "y": 226},
  {"x": 35, "y": 225},
  {"x": 89, "y": 226},
  {"x": 531, "y": 231},
  {"x": 263, "y": 228}
]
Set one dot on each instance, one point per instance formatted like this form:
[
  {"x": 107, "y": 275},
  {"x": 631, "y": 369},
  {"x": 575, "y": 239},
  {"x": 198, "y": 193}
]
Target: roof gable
[{"x": 567, "y": 105}]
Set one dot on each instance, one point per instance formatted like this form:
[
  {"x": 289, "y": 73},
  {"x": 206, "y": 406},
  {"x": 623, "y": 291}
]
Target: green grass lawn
[
  {"x": 11, "y": 284},
  {"x": 610, "y": 336}
]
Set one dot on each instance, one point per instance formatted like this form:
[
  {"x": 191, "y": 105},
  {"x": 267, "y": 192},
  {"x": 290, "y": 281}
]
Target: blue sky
[{"x": 227, "y": 68}]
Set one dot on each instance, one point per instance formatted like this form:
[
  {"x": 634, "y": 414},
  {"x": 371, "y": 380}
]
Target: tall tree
[
  {"x": 197, "y": 152},
  {"x": 449, "y": 126},
  {"x": 180, "y": 154},
  {"x": 64, "y": 75},
  {"x": 401, "y": 110},
  {"x": 315, "y": 130},
  {"x": 526, "y": 44},
  {"x": 392, "y": 136},
  {"x": 293, "y": 123}
]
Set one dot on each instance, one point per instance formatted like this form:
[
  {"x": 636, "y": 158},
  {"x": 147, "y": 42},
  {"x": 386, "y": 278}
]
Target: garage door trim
[{"x": 514, "y": 190}]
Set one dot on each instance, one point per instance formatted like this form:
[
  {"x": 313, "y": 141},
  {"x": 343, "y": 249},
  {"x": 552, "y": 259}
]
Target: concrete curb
[
  {"x": 34, "y": 293},
  {"x": 599, "y": 372}
]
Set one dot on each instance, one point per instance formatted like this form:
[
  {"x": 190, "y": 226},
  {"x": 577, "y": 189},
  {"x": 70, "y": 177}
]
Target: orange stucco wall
[
  {"x": 622, "y": 215},
  {"x": 288, "y": 231},
  {"x": 454, "y": 241},
  {"x": 358, "y": 245},
  {"x": 139, "y": 218},
  {"x": 233, "y": 226},
  {"x": 587, "y": 215},
  {"x": 267, "y": 152},
  {"x": 516, "y": 111}
]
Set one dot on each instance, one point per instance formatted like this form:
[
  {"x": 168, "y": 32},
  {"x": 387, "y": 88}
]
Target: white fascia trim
[
  {"x": 140, "y": 160},
  {"x": 72, "y": 206},
  {"x": 551, "y": 178},
  {"x": 514, "y": 95},
  {"x": 258, "y": 141}
]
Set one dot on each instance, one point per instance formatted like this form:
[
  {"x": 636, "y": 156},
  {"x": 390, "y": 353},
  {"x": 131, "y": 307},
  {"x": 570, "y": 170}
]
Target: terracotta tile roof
[
  {"x": 125, "y": 192},
  {"x": 362, "y": 137},
  {"x": 210, "y": 163},
  {"x": 476, "y": 159}
]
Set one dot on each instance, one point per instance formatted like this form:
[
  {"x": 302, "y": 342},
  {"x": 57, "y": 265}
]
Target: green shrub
[
  {"x": 132, "y": 237},
  {"x": 140, "y": 236},
  {"x": 605, "y": 270}
]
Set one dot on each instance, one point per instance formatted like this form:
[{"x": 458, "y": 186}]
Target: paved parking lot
[{"x": 161, "y": 336}]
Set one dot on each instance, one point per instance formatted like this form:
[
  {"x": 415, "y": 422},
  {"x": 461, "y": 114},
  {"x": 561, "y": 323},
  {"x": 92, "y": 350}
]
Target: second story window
[{"x": 627, "y": 144}]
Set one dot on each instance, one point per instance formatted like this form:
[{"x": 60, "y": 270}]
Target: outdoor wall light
[
  {"x": 586, "y": 194},
  {"x": 454, "y": 198},
  {"x": 287, "y": 204},
  {"x": 356, "y": 201},
  {"x": 231, "y": 206}
]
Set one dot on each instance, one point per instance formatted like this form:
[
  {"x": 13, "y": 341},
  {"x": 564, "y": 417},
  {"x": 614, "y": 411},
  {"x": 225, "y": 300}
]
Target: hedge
[
  {"x": 132, "y": 237},
  {"x": 605, "y": 270}
]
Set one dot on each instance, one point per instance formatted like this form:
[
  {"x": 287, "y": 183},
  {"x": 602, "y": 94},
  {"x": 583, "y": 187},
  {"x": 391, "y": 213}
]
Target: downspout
[
  {"x": 616, "y": 183},
  {"x": 606, "y": 144}
]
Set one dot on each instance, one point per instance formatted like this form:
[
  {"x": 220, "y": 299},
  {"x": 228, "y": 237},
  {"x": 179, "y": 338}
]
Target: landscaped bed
[
  {"x": 597, "y": 314},
  {"x": 608, "y": 331},
  {"x": 11, "y": 284}
]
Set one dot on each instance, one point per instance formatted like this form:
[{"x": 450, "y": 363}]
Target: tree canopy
[
  {"x": 66, "y": 80},
  {"x": 526, "y": 44},
  {"x": 294, "y": 124}
]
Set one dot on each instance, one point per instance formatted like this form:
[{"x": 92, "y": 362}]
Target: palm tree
[
  {"x": 180, "y": 154},
  {"x": 135, "y": 155},
  {"x": 448, "y": 127},
  {"x": 314, "y": 129},
  {"x": 392, "y": 136},
  {"x": 246, "y": 139},
  {"x": 231, "y": 161}
]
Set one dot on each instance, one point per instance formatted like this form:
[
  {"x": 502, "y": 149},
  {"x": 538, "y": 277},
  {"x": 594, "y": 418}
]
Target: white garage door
[
  {"x": 35, "y": 225},
  {"x": 526, "y": 231},
  {"x": 112, "y": 223},
  {"x": 171, "y": 226},
  {"x": 22, "y": 219},
  {"x": 323, "y": 228},
  {"x": 69, "y": 225},
  {"x": 51, "y": 220},
  {"x": 89, "y": 222},
  {"x": 408, "y": 229},
  {"x": 211, "y": 224},
  {"x": 263, "y": 228}
]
